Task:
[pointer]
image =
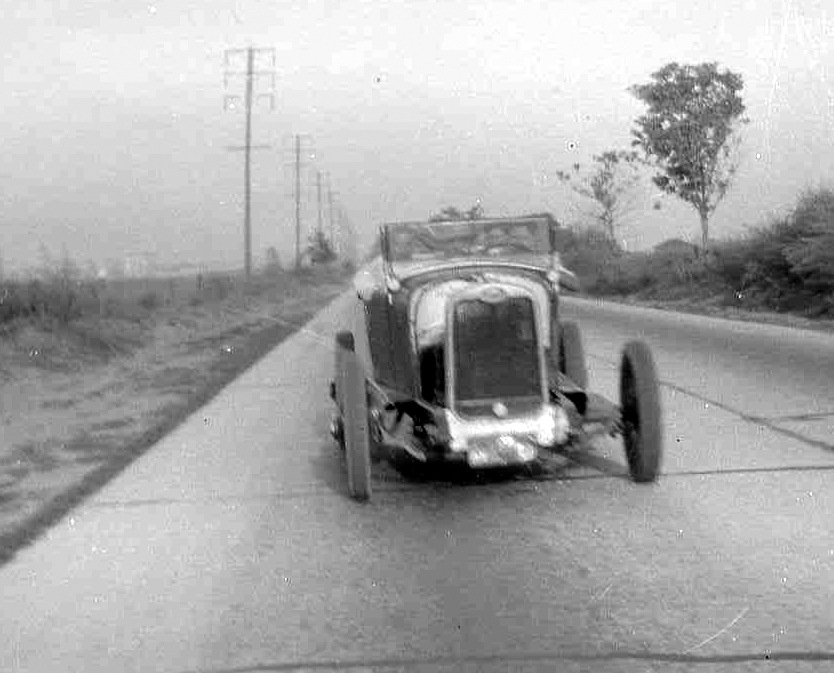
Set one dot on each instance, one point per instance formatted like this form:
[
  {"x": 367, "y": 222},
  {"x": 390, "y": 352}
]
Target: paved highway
[{"x": 232, "y": 546}]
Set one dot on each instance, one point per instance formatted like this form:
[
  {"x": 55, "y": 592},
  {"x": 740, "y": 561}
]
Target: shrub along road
[{"x": 232, "y": 545}]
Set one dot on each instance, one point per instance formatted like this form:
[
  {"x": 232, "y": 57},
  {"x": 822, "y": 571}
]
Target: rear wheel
[
  {"x": 572, "y": 361},
  {"x": 641, "y": 413},
  {"x": 356, "y": 430}
]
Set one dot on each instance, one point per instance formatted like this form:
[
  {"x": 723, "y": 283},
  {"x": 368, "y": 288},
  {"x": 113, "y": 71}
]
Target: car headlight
[{"x": 552, "y": 427}]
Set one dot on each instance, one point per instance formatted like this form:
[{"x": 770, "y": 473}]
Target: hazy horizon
[{"x": 116, "y": 138}]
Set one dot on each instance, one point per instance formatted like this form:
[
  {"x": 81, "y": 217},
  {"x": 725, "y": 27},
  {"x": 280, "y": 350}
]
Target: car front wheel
[
  {"x": 572, "y": 361},
  {"x": 356, "y": 429},
  {"x": 641, "y": 412}
]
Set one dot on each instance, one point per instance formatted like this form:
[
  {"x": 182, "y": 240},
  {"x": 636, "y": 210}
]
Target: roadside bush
[
  {"x": 623, "y": 275},
  {"x": 675, "y": 266},
  {"x": 768, "y": 274},
  {"x": 220, "y": 288},
  {"x": 150, "y": 301},
  {"x": 790, "y": 263},
  {"x": 811, "y": 253},
  {"x": 58, "y": 290},
  {"x": 12, "y": 305},
  {"x": 273, "y": 268},
  {"x": 53, "y": 299},
  {"x": 588, "y": 254},
  {"x": 728, "y": 262},
  {"x": 786, "y": 265}
]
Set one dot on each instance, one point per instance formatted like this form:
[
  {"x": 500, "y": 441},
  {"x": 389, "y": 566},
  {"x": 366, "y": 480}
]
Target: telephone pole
[
  {"x": 318, "y": 190},
  {"x": 346, "y": 233},
  {"x": 330, "y": 212},
  {"x": 250, "y": 74},
  {"x": 300, "y": 138},
  {"x": 297, "y": 202}
]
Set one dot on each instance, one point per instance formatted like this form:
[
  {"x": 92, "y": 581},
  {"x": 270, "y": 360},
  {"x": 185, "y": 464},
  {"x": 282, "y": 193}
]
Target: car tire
[
  {"x": 572, "y": 361},
  {"x": 641, "y": 416},
  {"x": 345, "y": 347},
  {"x": 356, "y": 430}
]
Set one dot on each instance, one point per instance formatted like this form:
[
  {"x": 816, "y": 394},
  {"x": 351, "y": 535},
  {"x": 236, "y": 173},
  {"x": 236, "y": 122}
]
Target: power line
[{"x": 250, "y": 74}]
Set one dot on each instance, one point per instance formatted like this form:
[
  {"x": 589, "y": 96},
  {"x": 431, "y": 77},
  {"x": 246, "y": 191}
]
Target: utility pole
[
  {"x": 348, "y": 244},
  {"x": 318, "y": 190},
  {"x": 250, "y": 74},
  {"x": 330, "y": 212},
  {"x": 297, "y": 202},
  {"x": 299, "y": 139},
  {"x": 341, "y": 228}
]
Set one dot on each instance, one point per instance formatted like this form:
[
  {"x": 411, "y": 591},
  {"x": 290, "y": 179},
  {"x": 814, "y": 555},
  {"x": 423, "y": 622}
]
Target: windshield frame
[{"x": 522, "y": 238}]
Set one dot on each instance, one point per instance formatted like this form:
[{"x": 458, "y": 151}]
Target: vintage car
[{"x": 467, "y": 361}]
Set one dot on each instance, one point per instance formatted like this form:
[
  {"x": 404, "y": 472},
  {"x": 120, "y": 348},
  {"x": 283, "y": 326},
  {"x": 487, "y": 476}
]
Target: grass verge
[{"x": 93, "y": 408}]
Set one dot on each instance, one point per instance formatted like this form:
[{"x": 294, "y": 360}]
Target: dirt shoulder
[{"x": 79, "y": 402}]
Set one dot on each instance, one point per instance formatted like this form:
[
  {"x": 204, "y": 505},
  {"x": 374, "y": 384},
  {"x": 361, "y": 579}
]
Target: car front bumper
[{"x": 500, "y": 451}]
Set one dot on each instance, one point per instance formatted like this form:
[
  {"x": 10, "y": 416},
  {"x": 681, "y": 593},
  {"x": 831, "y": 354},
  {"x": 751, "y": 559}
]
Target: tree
[
  {"x": 452, "y": 213},
  {"x": 273, "y": 261},
  {"x": 319, "y": 249},
  {"x": 690, "y": 132},
  {"x": 610, "y": 186}
]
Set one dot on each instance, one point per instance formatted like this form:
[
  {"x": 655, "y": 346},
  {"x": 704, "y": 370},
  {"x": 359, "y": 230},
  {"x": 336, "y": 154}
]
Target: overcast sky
[{"x": 115, "y": 137}]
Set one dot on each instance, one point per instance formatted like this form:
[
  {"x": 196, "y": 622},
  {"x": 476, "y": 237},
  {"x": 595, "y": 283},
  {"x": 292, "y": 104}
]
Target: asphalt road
[{"x": 232, "y": 546}]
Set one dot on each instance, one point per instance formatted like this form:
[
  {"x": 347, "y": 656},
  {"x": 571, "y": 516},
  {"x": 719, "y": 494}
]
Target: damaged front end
[
  {"x": 512, "y": 441},
  {"x": 500, "y": 411}
]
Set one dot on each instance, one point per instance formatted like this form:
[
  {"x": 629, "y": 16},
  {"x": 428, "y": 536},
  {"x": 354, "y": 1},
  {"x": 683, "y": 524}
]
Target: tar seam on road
[
  {"x": 511, "y": 486},
  {"x": 608, "y": 469},
  {"x": 521, "y": 657},
  {"x": 757, "y": 420},
  {"x": 802, "y": 417}
]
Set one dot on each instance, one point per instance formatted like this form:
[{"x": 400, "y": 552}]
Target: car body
[{"x": 469, "y": 360}]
